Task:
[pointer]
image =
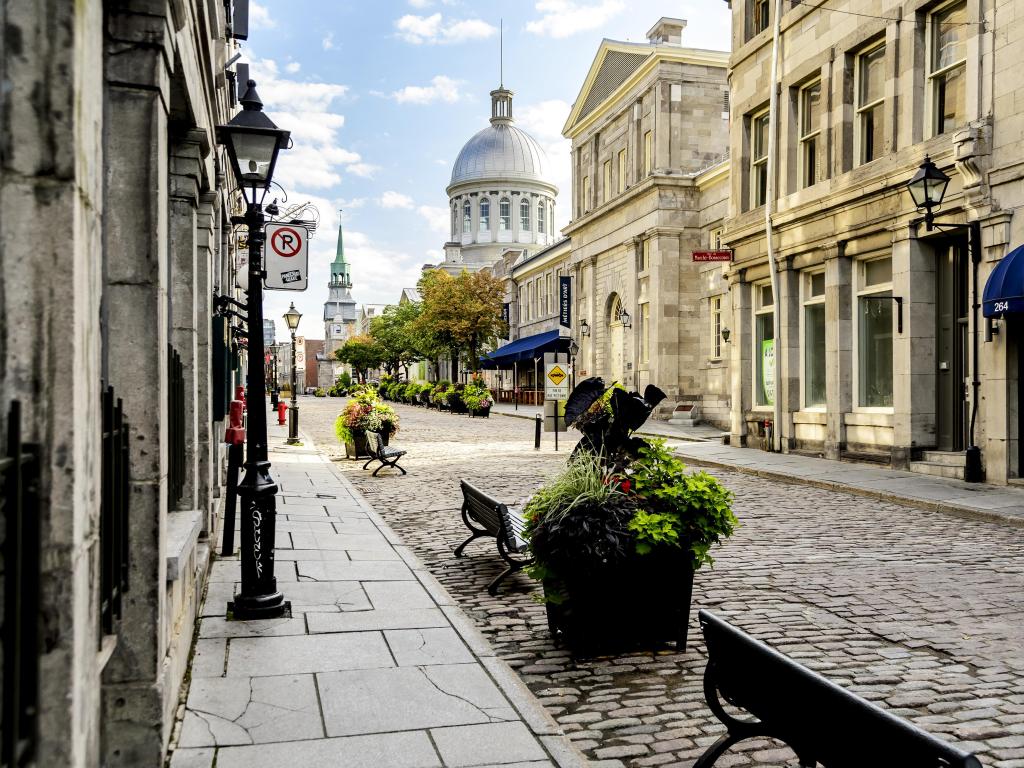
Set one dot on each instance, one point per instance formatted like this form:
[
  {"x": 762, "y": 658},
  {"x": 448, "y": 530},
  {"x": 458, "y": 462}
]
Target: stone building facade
[
  {"x": 649, "y": 134},
  {"x": 878, "y": 321},
  {"x": 112, "y": 243}
]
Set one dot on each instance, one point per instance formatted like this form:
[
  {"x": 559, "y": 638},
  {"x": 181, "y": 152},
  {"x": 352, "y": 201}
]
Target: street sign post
[
  {"x": 556, "y": 389},
  {"x": 287, "y": 257}
]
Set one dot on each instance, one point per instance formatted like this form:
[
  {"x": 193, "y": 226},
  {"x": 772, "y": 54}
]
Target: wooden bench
[
  {"x": 485, "y": 516},
  {"x": 388, "y": 457},
  {"x": 820, "y": 721}
]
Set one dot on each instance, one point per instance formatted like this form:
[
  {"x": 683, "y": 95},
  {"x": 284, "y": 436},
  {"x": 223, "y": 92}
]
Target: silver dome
[{"x": 500, "y": 151}]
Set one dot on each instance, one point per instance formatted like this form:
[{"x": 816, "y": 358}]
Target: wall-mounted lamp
[
  {"x": 624, "y": 319},
  {"x": 726, "y": 333},
  {"x": 584, "y": 328}
]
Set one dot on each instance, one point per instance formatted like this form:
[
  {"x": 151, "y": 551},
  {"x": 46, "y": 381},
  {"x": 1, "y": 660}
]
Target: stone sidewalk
[{"x": 376, "y": 667}]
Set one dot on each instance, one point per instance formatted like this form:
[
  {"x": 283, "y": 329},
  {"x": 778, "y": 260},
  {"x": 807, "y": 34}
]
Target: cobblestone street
[{"x": 917, "y": 610}]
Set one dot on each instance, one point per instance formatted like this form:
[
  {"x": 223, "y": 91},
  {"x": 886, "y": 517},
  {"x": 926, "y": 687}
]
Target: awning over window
[
  {"x": 528, "y": 348},
  {"x": 1004, "y": 291}
]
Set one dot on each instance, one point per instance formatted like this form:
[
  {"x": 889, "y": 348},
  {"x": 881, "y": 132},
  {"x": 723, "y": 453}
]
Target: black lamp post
[
  {"x": 253, "y": 142},
  {"x": 292, "y": 317},
  {"x": 574, "y": 349},
  {"x": 927, "y": 187}
]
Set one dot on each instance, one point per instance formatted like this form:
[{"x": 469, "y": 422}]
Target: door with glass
[{"x": 951, "y": 347}]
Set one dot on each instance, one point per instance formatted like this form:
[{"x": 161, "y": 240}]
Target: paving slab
[{"x": 375, "y": 666}]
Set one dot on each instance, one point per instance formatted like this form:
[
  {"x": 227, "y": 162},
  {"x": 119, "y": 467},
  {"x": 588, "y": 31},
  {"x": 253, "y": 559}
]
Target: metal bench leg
[
  {"x": 367, "y": 464},
  {"x": 472, "y": 537},
  {"x": 716, "y": 750},
  {"x": 492, "y": 588},
  {"x": 378, "y": 469}
]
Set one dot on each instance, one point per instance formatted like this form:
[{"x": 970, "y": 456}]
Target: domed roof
[{"x": 500, "y": 151}]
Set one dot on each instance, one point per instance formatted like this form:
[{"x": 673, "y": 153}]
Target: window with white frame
[
  {"x": 716, "y": 326},
  {"x": 606, "y": 186},
  {"x": 524, "y": 215},
  {"x": 622, "y": 170},
  {"x": 467, "y": 217},
  {"x": 522, "y": 303},
  {"x": 874, "y": 333},
  {"x": 760, "y": 17},
  {"x": 645, "y": 255},
  {"x": 758, "y": 159},
  {"x": 485, "y": 215},
  {"x": 764, "y": 345},
  {"x": 947, "y": 65},
  {"x": 715, "y": 239},
  {"x": 645, "y": 332},
  {"x": 541, "y": 226},
  {"x": 538, "y": 288},
  {"x": 814, "y": 339},
  {"x": 869, "y": 126},
  {"x": 505, "y": 214},
  {"x": 551, "y": 294},
  {"x": 810, "y": 132},
  {"x": 648, "y": 153}
]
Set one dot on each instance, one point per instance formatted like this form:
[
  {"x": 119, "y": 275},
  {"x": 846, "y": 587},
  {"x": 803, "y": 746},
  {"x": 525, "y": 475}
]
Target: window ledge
[
  {"x": 810, "y": 416},
  {"x": 183, "y": 530},
  {"x": 875, "y": 417}
]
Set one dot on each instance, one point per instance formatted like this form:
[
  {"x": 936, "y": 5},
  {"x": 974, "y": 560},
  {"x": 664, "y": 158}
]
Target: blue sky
[{"x": 381, "y": 96}]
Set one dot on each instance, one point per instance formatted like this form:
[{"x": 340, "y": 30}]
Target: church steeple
[{"x": 339, "y": 267}]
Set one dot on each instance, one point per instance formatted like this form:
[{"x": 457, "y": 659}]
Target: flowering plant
[
  {"x": 477, "y": 396},
  {"x": 365, "y": 413}
]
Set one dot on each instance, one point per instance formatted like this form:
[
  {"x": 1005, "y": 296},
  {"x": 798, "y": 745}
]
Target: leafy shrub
[
  {"x": 365, "y": 412},
  {"x": 319, "y": 392},
  {"x": 477, "y": 396},
  {"x": 438, "y": 391}
]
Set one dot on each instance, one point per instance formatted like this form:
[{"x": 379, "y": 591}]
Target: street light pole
[
  {"x": 253, "y": 143},
  {"x": 292, "y": 317}
]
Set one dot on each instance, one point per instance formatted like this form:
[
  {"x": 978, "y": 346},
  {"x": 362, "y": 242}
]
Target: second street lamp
[
  {"x": 253, "y": 142},
  {"x": 292, "y": 317}
]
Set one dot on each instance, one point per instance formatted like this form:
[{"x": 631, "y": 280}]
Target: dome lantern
[{"x": 501, "y": 106}]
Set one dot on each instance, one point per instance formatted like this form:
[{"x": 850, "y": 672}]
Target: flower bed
[{"x": 364, "y": 413}]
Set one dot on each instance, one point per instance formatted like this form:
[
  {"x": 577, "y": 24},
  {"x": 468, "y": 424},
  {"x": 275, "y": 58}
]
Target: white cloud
[
  {"x": 436, "y": 218},
  {"x": 328, "y": 41},
  {"x": 392, "y": 199},
  {"x": 364, "y": 170},
  {"x": 544, "y": 121},
  {"x": 441, "y": 88},
  {"x": 433, "y": 29},
  {"x": 259, "y": 16},
  {"x": 292, "y": 67},
  {"x": 562, "y": 18},
  {"x": 421, "y": 3}
]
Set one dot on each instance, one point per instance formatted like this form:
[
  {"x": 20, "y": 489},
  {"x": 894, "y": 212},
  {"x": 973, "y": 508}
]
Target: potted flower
[
  {"x": 619, "y": 533},
  {"x": 364, "y": 413},
  {"x": 477, "y": 398},
  {"x": 453, "y": 398},
  {"x": 437, "y": 394}
]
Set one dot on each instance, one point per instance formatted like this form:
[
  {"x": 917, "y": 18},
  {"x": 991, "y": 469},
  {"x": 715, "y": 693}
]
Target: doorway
[
  {"x": 951, "y": 347},
  {"x": 616, "y": 338}
]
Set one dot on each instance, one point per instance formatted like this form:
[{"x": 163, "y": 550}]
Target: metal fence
[
  {"x": 114, "y": 506},
  {"x": 19, "y": 511},
  {"x": 175, "y": 424}
]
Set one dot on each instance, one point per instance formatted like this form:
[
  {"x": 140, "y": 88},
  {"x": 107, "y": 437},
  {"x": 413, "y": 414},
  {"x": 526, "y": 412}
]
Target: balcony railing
[
  {"x": 114, "y": 505},
  {"x": 19, "y": 511}
]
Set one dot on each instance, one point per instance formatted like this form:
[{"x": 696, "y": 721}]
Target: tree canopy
[
  {"x": 463, "y": 312},
  {"x": 362, "y": 353}
]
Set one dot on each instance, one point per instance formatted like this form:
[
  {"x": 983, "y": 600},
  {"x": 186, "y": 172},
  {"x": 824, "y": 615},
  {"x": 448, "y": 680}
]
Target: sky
[{"x": 380, "y": 96}]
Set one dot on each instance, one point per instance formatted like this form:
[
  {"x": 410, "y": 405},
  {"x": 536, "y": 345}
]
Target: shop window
[
  {"x": 764, "y": 345},
  {"x": 947, "y": 65},
  {"x": 870, "y": 88},
  {"x": 814, "y": 340},
  {"x": 874, "y": 334}
]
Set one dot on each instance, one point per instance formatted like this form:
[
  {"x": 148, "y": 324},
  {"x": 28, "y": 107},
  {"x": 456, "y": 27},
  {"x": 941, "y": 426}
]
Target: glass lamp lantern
[{"x": 253, "y": 143}]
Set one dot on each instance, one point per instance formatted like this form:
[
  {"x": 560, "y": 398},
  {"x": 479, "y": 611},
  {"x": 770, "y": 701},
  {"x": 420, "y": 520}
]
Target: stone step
[
  {"x": 937, "y": 469},
  {"x": 680, "y": 421},
  {"x": 949, "y": 458}
]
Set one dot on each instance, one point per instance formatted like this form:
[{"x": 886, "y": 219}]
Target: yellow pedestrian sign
[
  {"x": 556, "y": 381},
  {"x": 557, "y": 375}
]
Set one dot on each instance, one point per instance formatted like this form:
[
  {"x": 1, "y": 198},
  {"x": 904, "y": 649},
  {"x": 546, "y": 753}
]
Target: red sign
[
  {"x": 724, "y": 255},
  {"x": 286, "y": 242}
]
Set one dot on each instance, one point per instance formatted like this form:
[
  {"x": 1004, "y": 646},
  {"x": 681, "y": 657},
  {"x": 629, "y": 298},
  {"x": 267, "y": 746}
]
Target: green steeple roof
[{"x": 339, "y": 267}]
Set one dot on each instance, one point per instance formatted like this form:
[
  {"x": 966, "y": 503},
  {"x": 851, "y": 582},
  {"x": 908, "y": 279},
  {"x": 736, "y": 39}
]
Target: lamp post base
[{"x": 272, "y": 606}]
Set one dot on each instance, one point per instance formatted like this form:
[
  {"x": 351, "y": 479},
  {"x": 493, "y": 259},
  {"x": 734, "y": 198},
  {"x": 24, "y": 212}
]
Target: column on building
[{"x": 838, "y": 349}]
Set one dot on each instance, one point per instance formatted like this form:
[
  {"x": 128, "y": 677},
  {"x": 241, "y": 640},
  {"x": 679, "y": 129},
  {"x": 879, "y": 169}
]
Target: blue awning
[
  {"x": 528, "y": 348},
  {"x": 1004, "y": 291}
]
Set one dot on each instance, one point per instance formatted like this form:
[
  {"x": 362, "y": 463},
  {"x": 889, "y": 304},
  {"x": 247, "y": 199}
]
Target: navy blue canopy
[
  {"x": 1004, "y": 291},
  {"x": 527, "y": 348}
]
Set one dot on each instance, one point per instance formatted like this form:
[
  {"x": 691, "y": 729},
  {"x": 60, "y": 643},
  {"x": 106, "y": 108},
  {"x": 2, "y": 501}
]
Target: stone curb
[{"x": 969, "y": 513}]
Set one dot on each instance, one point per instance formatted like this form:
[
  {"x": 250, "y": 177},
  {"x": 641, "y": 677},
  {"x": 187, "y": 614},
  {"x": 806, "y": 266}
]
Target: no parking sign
[{"x": 287, "y": 257}]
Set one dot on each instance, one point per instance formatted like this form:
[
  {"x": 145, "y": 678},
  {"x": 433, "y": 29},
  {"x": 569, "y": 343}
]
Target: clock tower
[{"x": 339, "y": 315}]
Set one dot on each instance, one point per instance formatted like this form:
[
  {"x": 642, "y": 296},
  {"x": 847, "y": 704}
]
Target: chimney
[{"x": 667, "y": 31}]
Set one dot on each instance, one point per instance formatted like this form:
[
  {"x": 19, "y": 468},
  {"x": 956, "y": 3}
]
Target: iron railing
[
  {"x": 19, "y": 511},
  {"x": 114, "y": 505},
  {"x": 175, "y": 424}
]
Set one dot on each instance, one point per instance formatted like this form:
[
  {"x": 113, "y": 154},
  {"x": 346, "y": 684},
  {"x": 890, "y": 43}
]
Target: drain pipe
[
  {"x": 769, "y": 204},
  {"x": 973, "y": 472}
]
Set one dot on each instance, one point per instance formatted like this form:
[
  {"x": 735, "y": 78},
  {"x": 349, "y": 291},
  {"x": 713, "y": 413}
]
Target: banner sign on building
[
  {"x": 720, "y": 255},
  {"x": 565, "y": 301},
  {"x": 287, "y": 257},
  {"x": 505, "y": 313},
  {"x": 242, "y": 261}
]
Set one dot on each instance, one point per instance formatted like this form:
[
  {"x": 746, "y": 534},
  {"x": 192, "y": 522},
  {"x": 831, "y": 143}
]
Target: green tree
[
  {"x": 362, "y": 353},
  {"x": 393, "y": 333},
  {"x": 464, "y": 312}
]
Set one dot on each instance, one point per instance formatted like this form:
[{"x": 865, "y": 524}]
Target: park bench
[
  {"x": 388, "y": 457},
  {"x": 485, "y": 516},
  {"x": 820, "y": 721}
]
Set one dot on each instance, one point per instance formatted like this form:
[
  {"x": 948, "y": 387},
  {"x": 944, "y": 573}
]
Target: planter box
[
  {"x": 356, "y": 448},
  {"x": 484, "y": 413},
  {"x": 644, "y": 605}
]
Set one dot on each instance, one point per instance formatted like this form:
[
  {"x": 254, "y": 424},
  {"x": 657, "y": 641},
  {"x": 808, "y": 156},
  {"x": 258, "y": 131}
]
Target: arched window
[
  {"x": 455, "y": 219},
  {"x": 551, "y": 219},
  {"x": 485, "y": 215},
  {"x": 467, "y": 218},
  {"x": 505, "y": 214},
  {"x": 541, "y": 205},
  {"x": 524, "y": 215},
  {"x": 615, "y": 315}
]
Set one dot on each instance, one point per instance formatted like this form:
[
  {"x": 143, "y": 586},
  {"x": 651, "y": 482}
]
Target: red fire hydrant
[
  {"x": 235, "y": 433},
  {"x": 240, "y": 395},
  {"x": 281, "y": 408}
]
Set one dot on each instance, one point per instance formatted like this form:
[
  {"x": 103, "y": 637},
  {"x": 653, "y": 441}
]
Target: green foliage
[
  {"x": 345, "y": 380},
  {"x": 437, "y": 392},
  {"x": 462, "y": 312},
  {"x": 319, "y": 392},
  {"x": 362, "y": 353},
  {"x": 477, "y": 396},
  {"x": 582, "y": 482},
  {"x": 698, "y": 506},
  {"x": 651, "y": 530},
  {"x": 365, "y": 412}
]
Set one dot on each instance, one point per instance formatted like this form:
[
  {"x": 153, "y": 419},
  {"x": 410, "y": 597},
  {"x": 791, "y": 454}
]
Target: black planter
[
  {"x": 484, "y": 413},
  {"x": 644, "y": 604},
  {"x": 356, "y": 448}
]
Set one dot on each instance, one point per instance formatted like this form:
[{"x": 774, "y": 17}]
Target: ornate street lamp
[
  {"x": 624, "y": 319},
  {"x": 574, "y": 349},
  {"x": 584, "y": 327},
  {"x": 292, "y": 317},
  {"x": 253, "y": 142},
  {"x": 927, "y": 187}
]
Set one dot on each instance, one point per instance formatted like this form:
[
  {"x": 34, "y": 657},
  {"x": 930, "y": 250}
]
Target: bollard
[
  {"x": 536, "y": 432},
  {"x": 273, "y": 399},
  {"x": 234, "y": 436}
]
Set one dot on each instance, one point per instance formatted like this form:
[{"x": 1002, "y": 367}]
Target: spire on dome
[{"x": 339, "y": 267}]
